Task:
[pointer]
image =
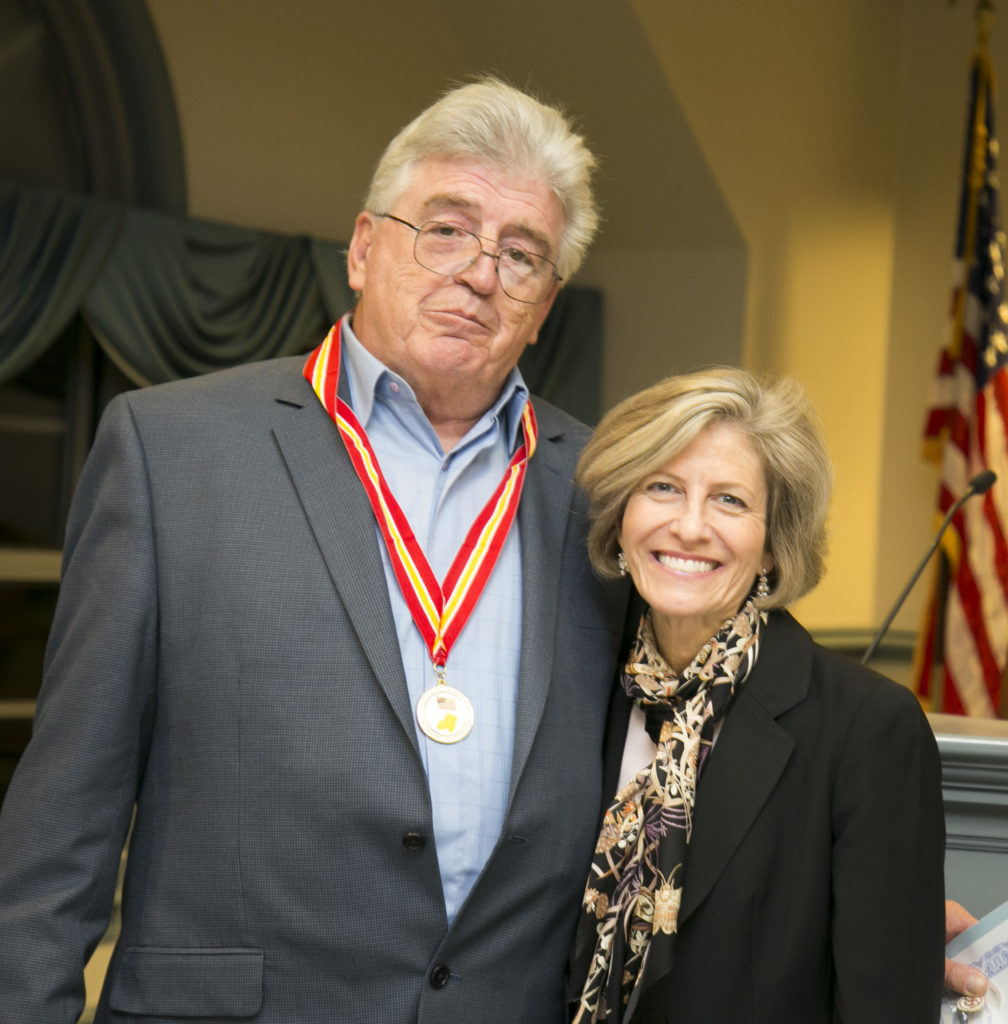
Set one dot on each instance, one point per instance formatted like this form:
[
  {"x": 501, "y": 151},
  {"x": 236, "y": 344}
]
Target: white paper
[{"x": 984, "y": 946}]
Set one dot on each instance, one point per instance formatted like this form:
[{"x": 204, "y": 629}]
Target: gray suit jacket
[{"x": 224, "y": 658}]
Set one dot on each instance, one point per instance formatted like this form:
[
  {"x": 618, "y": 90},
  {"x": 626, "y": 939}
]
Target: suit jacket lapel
[
  {"x": 729, "y": 799},
  {"x": 542, "y": 520},
  {"x": 343, "y": 524}
]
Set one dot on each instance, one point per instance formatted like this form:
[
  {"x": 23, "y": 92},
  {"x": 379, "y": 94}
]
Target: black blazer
[{"x": 814, "y": 882}]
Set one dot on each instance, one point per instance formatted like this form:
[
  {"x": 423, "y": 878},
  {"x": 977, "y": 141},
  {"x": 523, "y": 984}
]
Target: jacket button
[
  {"x": 439, "y": 976},
  {"x": 414, "y": 841}
]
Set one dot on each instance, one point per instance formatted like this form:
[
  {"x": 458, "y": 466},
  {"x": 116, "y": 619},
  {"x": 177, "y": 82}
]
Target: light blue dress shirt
[{"x": 441, "y": 495}]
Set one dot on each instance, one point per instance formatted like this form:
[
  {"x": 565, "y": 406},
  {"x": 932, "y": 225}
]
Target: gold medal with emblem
[{"x": 444, "y": 713}]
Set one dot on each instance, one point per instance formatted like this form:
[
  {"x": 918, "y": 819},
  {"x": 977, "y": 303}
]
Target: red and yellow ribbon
[{"x": 440, "y": 611}]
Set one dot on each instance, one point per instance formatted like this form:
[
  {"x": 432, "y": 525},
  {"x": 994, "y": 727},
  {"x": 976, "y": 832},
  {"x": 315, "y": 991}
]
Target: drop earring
[
  {"x": 621, "y": 562},
  {"x": 762, "y": 585}
]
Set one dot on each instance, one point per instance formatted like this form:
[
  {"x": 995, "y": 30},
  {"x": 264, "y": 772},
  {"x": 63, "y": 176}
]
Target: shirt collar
[{"x": 365, "y": 373}]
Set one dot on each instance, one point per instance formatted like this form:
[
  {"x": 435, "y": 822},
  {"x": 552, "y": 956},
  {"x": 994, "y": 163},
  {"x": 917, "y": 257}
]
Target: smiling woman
[
  {"x": 694, "y": 538},
  {"x": 755, "y": 861}
]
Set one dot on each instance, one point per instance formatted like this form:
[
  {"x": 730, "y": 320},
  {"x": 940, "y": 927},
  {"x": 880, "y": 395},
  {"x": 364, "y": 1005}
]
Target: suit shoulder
[
  {"x": 558, "y": 425},
  {"x": 830, "y": 704},
  {"x": 862, "y": 688},
  {"x": 834, "y": 678},
  {"x": 226, "y": 388}
]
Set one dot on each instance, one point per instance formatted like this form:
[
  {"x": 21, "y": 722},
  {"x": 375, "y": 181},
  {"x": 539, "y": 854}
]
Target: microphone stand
[{"x": 981, "y": 483}]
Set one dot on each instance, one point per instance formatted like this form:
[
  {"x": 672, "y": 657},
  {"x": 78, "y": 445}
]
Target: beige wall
[
  {"x": 799, "y": 219},
  {"x": 835, "y": 131}
]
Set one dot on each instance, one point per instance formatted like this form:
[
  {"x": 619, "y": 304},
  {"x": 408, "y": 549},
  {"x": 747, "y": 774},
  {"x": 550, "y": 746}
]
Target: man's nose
[{"x": 481, "y": 274}]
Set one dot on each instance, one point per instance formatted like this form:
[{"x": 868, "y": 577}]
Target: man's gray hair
[{"x": 492, "y": 123}]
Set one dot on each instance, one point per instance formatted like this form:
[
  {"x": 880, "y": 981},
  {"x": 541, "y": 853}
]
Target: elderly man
[{"x": 330, "y": 630}]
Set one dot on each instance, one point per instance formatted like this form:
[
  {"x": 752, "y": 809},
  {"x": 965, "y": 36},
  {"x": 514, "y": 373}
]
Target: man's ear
[
  {"x": 544, "y": 309},
  {"x": 357, "y": 251}
]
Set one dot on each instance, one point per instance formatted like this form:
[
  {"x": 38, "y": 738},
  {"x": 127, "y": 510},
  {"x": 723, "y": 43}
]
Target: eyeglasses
[{"x": 447, "y": 249}]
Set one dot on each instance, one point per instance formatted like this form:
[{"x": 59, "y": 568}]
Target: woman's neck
[{"x": 679, "y": 639}]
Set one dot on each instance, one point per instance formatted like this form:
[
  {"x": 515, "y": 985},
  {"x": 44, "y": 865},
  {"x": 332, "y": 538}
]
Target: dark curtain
[
  {"x": 169, "y": 296},
  {"x": 179, "y": 297},
  {"x": 52, "y": 247}
]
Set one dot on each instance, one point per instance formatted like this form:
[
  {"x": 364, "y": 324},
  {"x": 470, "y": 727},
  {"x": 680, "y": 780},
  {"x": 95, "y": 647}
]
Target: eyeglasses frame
[{"x": 495, "y": 256}]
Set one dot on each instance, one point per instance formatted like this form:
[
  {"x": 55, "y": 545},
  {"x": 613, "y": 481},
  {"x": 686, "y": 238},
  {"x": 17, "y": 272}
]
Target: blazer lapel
[
  {"x": 542, "y": 520},
  {"x": 729, "y": 799},
  {"x": 342, "y": 521}
]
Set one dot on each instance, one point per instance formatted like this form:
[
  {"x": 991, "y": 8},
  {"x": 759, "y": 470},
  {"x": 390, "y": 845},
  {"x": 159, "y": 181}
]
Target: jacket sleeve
[
  {"x": 69, "y": 806},
  {"x": 888, "y": 864}
]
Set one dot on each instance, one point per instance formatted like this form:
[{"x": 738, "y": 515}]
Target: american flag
[{"x": 966, "y": 623}]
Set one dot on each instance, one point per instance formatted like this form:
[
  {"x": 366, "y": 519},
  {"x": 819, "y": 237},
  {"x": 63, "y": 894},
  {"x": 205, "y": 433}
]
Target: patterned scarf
[{"x": 636, "y": 881}]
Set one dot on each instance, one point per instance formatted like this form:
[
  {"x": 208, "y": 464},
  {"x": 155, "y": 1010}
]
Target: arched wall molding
[{"x": 87, "y": 104}]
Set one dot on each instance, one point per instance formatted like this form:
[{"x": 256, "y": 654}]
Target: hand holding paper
[{"x": 985, "y": 947}]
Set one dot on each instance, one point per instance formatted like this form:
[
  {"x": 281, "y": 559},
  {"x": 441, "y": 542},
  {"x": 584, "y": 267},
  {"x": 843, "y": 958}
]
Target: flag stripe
[{"x": 965, "y": 432}]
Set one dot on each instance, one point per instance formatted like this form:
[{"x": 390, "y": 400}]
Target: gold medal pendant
[{"x": 444, "y": 713}]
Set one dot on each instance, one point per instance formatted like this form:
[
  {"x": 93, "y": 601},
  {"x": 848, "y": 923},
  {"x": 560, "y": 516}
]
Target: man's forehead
[
  {"x": 451, "y": 201},
  {"x": 444, "y": 204},
  {"x": 442, "y": 187}
]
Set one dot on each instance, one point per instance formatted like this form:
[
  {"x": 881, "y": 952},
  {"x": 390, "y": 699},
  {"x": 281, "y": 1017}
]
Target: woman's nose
[{"x": 690, "y": 520}]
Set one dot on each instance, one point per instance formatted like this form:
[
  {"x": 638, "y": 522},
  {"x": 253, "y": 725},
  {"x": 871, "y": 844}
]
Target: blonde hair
[
  {"x": 643, "y": 433},
  {"x": 492, "y": 123}
]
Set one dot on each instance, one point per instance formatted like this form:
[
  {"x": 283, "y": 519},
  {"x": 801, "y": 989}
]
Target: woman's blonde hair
[{"x": 645, "y": 432}]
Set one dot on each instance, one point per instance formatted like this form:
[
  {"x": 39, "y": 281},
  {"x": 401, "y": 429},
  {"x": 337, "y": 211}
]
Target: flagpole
[{"x": 985, "y": 21}]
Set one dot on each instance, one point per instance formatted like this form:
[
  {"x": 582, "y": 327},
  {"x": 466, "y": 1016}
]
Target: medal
[{"x": 444, "y": 713}]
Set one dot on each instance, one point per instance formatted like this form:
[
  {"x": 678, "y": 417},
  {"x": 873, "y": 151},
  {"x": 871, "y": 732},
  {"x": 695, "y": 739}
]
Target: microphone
[{"x": 980, "y": 484}]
